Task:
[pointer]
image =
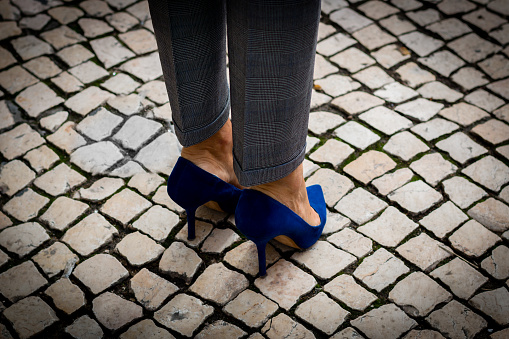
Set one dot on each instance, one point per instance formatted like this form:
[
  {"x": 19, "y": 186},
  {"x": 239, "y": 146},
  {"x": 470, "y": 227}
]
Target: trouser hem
[{"x": 265, "y": 175}]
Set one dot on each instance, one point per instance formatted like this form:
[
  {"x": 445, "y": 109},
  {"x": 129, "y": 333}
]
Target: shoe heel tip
[{"x": 191, "y": 238}]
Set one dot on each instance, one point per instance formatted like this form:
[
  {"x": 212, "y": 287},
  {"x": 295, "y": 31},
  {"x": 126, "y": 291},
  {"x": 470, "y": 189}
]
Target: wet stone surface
[{"x": 408, "y": 137}]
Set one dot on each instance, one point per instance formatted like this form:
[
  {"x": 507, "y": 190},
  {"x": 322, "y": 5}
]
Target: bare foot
[
  {"x": 291, "y": 191},
  {"x": 215, "y": 156}
]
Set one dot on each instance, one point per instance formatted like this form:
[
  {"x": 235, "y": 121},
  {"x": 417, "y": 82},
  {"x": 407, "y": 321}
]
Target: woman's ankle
[{"x": 291, "y": 191}]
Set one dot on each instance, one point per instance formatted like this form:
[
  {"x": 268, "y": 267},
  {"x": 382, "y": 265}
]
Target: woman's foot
[
  {"x": 215, "y": 156},
  {"x": 291, "y": 191}
]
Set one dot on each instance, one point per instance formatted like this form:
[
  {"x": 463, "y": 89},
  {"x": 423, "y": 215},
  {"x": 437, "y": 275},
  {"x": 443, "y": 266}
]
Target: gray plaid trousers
[{"x": 271, "y": 52}]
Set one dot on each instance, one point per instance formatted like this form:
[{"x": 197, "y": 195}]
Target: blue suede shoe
[
  {"x": 261, "y": 218},
  {"x": 190, "y": 187}
]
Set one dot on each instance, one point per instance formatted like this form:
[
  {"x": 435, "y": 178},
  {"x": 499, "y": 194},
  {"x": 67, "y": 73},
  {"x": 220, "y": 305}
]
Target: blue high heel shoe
[
  {"x": 261, "y": 218},
  {"x": 189, "y": 186}
]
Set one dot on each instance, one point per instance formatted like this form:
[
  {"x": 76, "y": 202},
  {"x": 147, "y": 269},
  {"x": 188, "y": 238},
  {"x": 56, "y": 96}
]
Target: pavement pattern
[{"x": 408, "y": 137}]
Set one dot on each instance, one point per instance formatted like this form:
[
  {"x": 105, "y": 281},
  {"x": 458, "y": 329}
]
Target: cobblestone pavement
[{"x": 408, "y": 136}]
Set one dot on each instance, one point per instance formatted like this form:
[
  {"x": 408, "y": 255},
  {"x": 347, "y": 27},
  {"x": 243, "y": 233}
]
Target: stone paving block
[
  {"x": 424, "y": 17},
  {"x": 496, "y": 66},
  {"x": 145, "y": 183},
  {"x": 202, "y": 230},
  {"x": 444, "y": 219},
  {"x": 463, "y": 113},
  {"x": 65, "y": 14},
  {"x": 460, "y": 147},
  {"x": 15, "y": 79},
  {"x": 373, "y": 77},
  {"x": 433, "y": 168},
  {"x": 472, "y": 48},
  {"x": 93, "y": 27},
  {"x": 67, "y": 83},
  {"x": 140, "y": 41},
  {"x": 99, "y": 125},
  {"x": 101, "y": 189},
  {"x": 397, "y": 25},
  {"x": 353, "y": 60},
  {"x": 391, "y": 181},
  {"x": 181, "y": 261},
  {"x": 41, "y": 158},
  {"x": 24, "y": 238},
  {"x": 66, "y": 138},
  {"x": 87, "y": 100},
  {"x": 377, "y": 9},
  {"x": 456, "y": 321},
  {"x": 161, "y": 197},
  {"x": 484, "y": 19},
  {"x": 499, "y": 6},
  {"x": 140, "y": 10},
  {"x": 451, "y": 7},
  {"x": 360, "y": 205},
  {"x": 37, "y": 99},
  {"x": 14, "y": 176},
  {"x": 154, "y": 90},
  {"x": 323, "y": 67},
  {"x": 219, "y": 240},
  {"x": 5, "y": 332},
  {"x": 139, "y": 249},
  {"x": 484, "y": 100},
  {"x": 53, "y": 260},
  {"x": 219, "y": 284},
  {"x": 390, "y": 56},
  {"x": 387, "y": 321},
  {"x": 120, "y": 84},
  {"x": 334, "y": 185},
  {"x": 100, "y": 272},
  {"x": 437, "y": 91},
  {"x": 252, "y": 308},
  {"x": 96, "y": 8},
  {"x": 53, "y": 121},
  {"x": 504, "y": 195},
  {"x": 443, "y": 62},
  {"x": 157, "y": 222},
  {"x": 395, "y": 92},
  {"x": 25, "y": 205},
  {"x": 416, "y": 196},
  {"x": 356, "y": 134},
  {"x": 321, "y": 122},
  {"x": 369, "y": 166},
  {"x": 122, "y": 21},
  {"x": 125, "y": 205},
  {"x": 4, "y": 221},
  {"x": 346, "y": 290},
  {"x": 88, "y": 72},
  {"x": 6, "y": 117},
  {"x": 333, "y": 152},
  {"x": 29, "y": 47},
  {"x": 30, "y": 316},
  {"x": 113, "y": 311},
  {"x": 385, "y": 120},
  {"x": 420, "y": 109},
  {"x": 380, "y": 270},
  {"x": 372, "y": 37},
  {"x": 420, "y": 43},
  {"x": 499, "y": 87},
  {"x": 500, "y": 334},
  {"x": 145, "y": 68},
  {"x": 127, "y": 170},
  {"x": 128, "y": 104},
  {"x": 491, "y": 213},
  {"x": 497, "y": 264},
  {"x": 146, "y": 329},
  {"x": 329, "y": 6},
  {"x": 4, "y": 258},
  {"x": 493, "y": 131},
  {"x": 282, "y": 326},
  {"x": 334, "y": 44},
  {"x": 151, "y": 290},
  {"x": 151, "y": 158},
  {"x": 312, "y": 258},
  {"x": 500, "y": 34},
  {"x": 349, "y": 20},
  {"x": 62, "y": 212},
  {"x": 74, "y": 55},
  {"x": 21, "y": 281},
  {"x": 292, "y": 283},
  {"x": 89, "y": 234},
  {"x": 357, "y": 102},
  {"x": 136, "y": 131},
  {"x": 62, "y": 36},
  {"x": 413, "y": 75},
  {"x": 424, "y": 252},
  {"x": 390, "y": 228},
  {"x": 6, "y": 58},
  {"x": 469, "y": 78},
  {"x": 42, "y": 67},
  {"x": 351, "y": 241},
  {"x": 59, "y": 180},
  {"x": 473, "y": 239},
  {"x": 66, "y": 296},
  {"x": 242, "y": 257},
  {"x": 335, "y": 85},
  {"x": 462, "y": 192},
  {"x": 405, "y": 145},
  {"x": 418, "y": 294},
  {"x": 494, "y": 303},
  {"x": 311, "y": 142},
  {"x": 183, "y": 314},
  {"x": 348, "y": 332},
  {"x": 322, "y": 312},
  {"x": 489, "y": 172},
  {"x": 449, "y": 28},
  {"x": 221, "y": 329}
]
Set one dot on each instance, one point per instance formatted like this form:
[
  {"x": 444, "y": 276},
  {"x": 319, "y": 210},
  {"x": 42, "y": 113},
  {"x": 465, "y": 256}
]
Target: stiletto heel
[
  {"x": 261, "y": 218},
  {"x": 190, "y": 224},
  {"x": 189, "y": 186},
  {"x": 260, "y": 248}
]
